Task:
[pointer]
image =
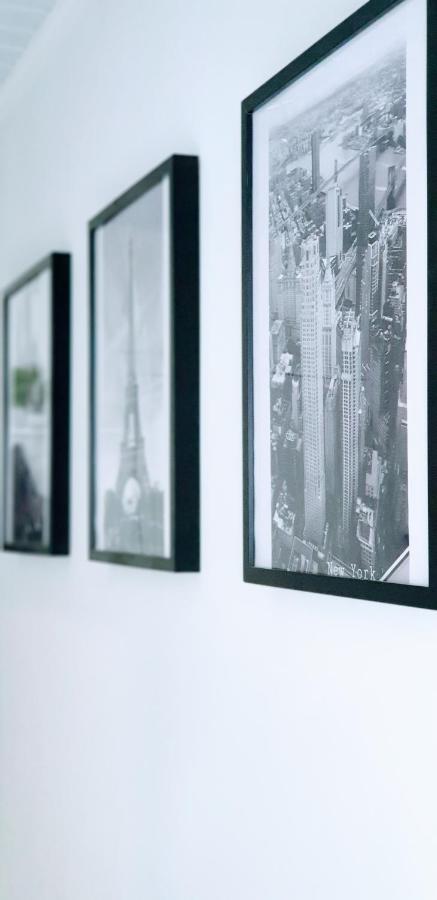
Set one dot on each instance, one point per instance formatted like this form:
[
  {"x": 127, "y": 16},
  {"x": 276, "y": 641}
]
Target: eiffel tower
[{"x": 134, "y": 512}]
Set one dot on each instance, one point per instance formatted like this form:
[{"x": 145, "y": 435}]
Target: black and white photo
[
  {"x": 339, "y": 312},
  {"x": 132, "y": 381},
  {"x": 133, "y": 401},
  {"x": 36, "y": 401}
]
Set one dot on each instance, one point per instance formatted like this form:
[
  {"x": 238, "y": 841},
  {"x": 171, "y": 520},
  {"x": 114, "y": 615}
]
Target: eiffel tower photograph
[{"x": 132, "y": 415}]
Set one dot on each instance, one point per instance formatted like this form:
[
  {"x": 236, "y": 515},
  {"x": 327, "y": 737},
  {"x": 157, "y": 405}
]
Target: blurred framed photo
[
  {"x": 339, "y": 228},
  {"x": 36, "y": 409},
  {"x": 144, "y": 504}
]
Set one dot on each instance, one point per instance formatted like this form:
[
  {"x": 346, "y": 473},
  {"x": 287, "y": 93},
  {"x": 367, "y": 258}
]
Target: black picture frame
[
  {"x": 59, "y": 266},
  {"x": 183, "y": 175},
  {"x": 387, "y": 592}
]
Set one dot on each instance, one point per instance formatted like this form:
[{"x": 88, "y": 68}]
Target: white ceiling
[{"x": 19, "y": 20}]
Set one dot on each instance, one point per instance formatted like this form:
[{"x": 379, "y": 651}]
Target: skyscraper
[
  {"x": 329, "y": 327},
  {"x": 382, "y": 280},
  {"x": 315, "y": 159},
  {"x": 369, "y": 295},
  {"x": 332, "y": 433},
  {"x": 350, "y": 378},
  {"x": 277, "y": 342},
  {"x": 373, "y": 253},
  {"x": 334, "y": 222},
  {"x": 366, "y": 195},
  {"x": 295, "y": 401},
  {"x": 366, "y": 206},
  {"x": 312, "y": 391},
  {"x": 287, "y": 294}
]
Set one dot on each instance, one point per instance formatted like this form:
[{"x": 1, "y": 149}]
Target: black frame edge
[{"x": 185, "y": 369}]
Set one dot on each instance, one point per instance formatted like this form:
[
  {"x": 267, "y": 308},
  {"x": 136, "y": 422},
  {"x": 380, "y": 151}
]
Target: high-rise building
[
  {"x": 383, "y": 258},
  {"x": 362, "y": 425},
  {"x": 288, "y": 297},
  {"x": 277, "y": 342},
  {"x": 350, "y": 379},
  {"x": 295, "y": 401},
  {"x": 391, "y": 188},
  {"x": 366, "y": 196},
  {"x": 369, "y": 295},
  {"x": 334, "y": 222},
  {"x": 397, "y": 255},
  {"x": 350, "y": 291},
  {"x": 373, "y": 253},
  {"x": 315, "y": 159},
  {"x": 365, "y": 308},
  {"x": 366, "y": 207},
  {"x": 332, "y": 437},
  {"x": 312, "y": 391},
  {"x": 383, "y": 383},
  {"x": 329, "y": 327}
]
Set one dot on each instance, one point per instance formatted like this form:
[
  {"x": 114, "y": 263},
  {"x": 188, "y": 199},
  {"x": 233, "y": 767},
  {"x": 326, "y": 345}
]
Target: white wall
[{"x": 189, "y": 737}]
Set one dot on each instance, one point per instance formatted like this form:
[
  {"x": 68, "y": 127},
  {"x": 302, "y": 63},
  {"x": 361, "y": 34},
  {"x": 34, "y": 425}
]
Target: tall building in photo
[
  {"x": 373, "y": 254},
  {"x": 332, "y": 437},
  {"x": 350, "y": 380},
  {"x": 334, "y": 222},
  {"x": 391, "y": 188},
  {"x": 382, "y": 280},
  {"x": 350, "y": 291},
  {"x": 277, "y": 342},
  {"x": 312, "y": 391},
  {"x": 364, "y": 314},
  {"x": 366, "y": 195},
  {"x": 315, "y": 159},
  {"x": 366, "y": 210},
  {"x": 379, "y": 386},
  {"x": 329, "y": 326},
  {"x": 296, "y": 401},
  {"x": 287, "y": 294},
  {"x": 362, "y": 425},
  {"x": 134, "y": 511},
  {"x": 370, "y": 299}
]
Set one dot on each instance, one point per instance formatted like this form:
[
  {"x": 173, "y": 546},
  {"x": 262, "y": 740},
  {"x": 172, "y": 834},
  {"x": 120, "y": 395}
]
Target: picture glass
[
  {"x": 340, "y": 311},
  {"x": 132, "y": 379},
  {"x": 28, "y": 414}
]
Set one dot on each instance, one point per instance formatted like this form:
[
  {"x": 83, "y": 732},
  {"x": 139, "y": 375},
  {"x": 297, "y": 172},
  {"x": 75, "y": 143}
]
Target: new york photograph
[{"x": 338, "y": 328}]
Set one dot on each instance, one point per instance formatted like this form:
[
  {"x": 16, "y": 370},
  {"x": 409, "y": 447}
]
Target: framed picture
[
  {"x": 36, "y": 377},
  {"x": 339, "y": 265},
  {"x": 144, "y": 253}
]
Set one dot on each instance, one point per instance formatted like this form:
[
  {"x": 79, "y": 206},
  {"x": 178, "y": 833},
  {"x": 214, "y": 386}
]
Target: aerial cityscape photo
[{"x": 338, "y": 325}]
